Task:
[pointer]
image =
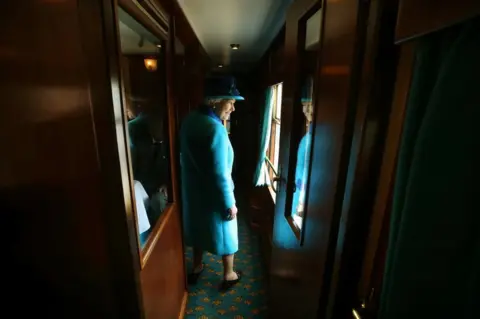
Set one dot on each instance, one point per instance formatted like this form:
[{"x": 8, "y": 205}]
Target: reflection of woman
[
  {"x": 303, "y": 155},
  {"x": 150, "y": 160},
  {"x": 207, "y": 187}
]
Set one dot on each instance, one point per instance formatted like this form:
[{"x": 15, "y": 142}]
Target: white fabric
[
  {"x": 263, "y": 178},
  {"x": 141, "y": 200}
]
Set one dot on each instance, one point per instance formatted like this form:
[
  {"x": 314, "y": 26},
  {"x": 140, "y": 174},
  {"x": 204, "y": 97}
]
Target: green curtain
[
  {"x": 433, "y": 258},
  {"x": 261, "y": 175}
]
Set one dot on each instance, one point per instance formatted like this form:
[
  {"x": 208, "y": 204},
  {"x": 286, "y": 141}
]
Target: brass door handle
[
  {"x": 357, "y": 314},
  {"x": 364, "y": 311}
]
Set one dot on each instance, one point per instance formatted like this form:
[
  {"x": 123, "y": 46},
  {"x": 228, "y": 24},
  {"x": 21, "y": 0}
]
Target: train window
[
  {"x": 144, "y": 84},
  {"x": 308, "y": 58},
  {"x": 273, "y": 150}
]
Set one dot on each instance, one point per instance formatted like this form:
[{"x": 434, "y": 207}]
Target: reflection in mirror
[
  {"x": 143, "y": 79},
  {"x": 309, "y": 59},
  {"x": 303, "y": 154}
]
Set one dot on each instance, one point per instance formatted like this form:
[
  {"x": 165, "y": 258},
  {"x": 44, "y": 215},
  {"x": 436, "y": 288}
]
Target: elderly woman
[{"x": 207, "y": 188}]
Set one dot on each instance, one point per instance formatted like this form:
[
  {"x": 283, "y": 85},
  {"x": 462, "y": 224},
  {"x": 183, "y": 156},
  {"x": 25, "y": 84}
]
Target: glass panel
[
  {"x": 144, "y": 82},
  {"x": 277, "y": 146},
  {"x": 308, "y": 56},
  {"x": 278, "y": 101},
  {"x": 274, "y": 142}
]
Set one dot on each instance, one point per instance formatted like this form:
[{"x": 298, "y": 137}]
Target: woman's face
[{"x": 224, "y": 108}]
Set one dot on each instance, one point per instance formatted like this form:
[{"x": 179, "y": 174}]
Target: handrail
[
  {"x": 267, "y": 160},
  {"x": 270, "y": 164}
]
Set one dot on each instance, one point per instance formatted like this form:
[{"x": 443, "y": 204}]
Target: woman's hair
[{"x": 212, "y": 101}]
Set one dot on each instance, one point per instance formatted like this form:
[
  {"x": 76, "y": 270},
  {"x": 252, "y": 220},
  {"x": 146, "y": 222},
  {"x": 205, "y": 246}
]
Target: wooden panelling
[
  {"x": 269, "y": 71},
  {"x": 64, "y": 176},
  {"x": 182, "y": 100},
  {"x": 197, "y": 60},
  {"x": 155, "y": 23},
  {"x": 56, "y": 189},
  {"x": 163, "y": 277},
  {"x": 294, "y": 285},
  {"x": 372, "y": 104},
  {"x": 416, "y": 18},
  {"x": 377, "y": 239},
  {"x": 260, "y": 215},
  {"x": 271, "y": 67},
  {"x": 302, "y": 273}
]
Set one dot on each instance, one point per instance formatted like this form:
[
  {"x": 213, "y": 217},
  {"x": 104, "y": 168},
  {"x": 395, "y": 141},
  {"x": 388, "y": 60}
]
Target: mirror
[
  {"x": 308, "y": 56},
  {"x": 144, "y": 82}
]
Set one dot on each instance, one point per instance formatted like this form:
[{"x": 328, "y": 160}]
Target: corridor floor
[{"x": 246, "y": 300}]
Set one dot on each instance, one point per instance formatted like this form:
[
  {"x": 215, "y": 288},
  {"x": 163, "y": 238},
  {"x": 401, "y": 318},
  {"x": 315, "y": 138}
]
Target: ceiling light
[
  {"x": 220, "y": 65},
  {"x": 235, "y": 46},
  {"x": 150, "y": 64}
]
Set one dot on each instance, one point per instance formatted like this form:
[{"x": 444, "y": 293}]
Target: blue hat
[
  {"x": 222, "y": 87},
  {"x": 307, "y": 91}
]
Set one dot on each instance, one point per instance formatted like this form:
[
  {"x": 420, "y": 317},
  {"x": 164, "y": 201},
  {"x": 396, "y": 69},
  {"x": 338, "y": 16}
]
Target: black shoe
[
  {"x": 227, "y": 284},
  {"x": 193, "y": 277}
]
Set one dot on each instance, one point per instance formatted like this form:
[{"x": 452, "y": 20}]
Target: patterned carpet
[{"x": 244, "y": 301}]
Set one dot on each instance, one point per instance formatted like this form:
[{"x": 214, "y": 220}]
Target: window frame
[
  {"x": 156, "y": 21},
  {"x": 272, "y": 156}
]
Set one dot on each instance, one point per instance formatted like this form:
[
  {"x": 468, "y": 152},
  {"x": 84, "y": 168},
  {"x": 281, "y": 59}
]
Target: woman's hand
[{"x": 232, "y": 213}]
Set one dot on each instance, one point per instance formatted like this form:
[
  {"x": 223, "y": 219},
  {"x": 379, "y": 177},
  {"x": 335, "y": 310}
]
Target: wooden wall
[
  {"x": 54, "y": 192},
  {"x": 196, "y": 59},
  {"x": 66, "y": 210},
  {"x": 162, "y": 277},
  {"x": 356, "y": 109},
  {"x": 267, "y": 72},
  {"x": 271, "y": 66}
]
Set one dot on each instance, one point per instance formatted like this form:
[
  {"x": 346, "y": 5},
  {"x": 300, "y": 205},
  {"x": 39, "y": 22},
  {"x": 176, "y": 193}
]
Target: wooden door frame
[
  {"x": 170, "y": 221},
  {"x": 410, "y": 25},
  {"x": 412, "y": 22},
  {"x": 165, "y": 35},
  {"x": 300, "y": 273},
  {"x": 100, "y": 37},
  {"x": 291, "y": 96},
  {"x": 369, "y": 283},
  {"x": 373, "y": 110}
]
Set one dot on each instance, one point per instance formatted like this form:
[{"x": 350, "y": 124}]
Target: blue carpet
[{"x": 246, "y": 300}]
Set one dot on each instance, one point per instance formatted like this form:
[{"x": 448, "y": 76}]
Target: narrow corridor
[{"x": 248, "y": 298}]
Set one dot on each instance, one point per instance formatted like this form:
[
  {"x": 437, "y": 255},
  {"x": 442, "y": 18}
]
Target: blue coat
[
  {"x": 206, "y": 159},
  {"x": 301, "y": 170}
]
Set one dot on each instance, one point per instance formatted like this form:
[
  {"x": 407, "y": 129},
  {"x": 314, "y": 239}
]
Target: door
[
  {"x": 318, "y": 89},
  {"x": 146, "y": 44},
  {"x": 408, "y": 32}
]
